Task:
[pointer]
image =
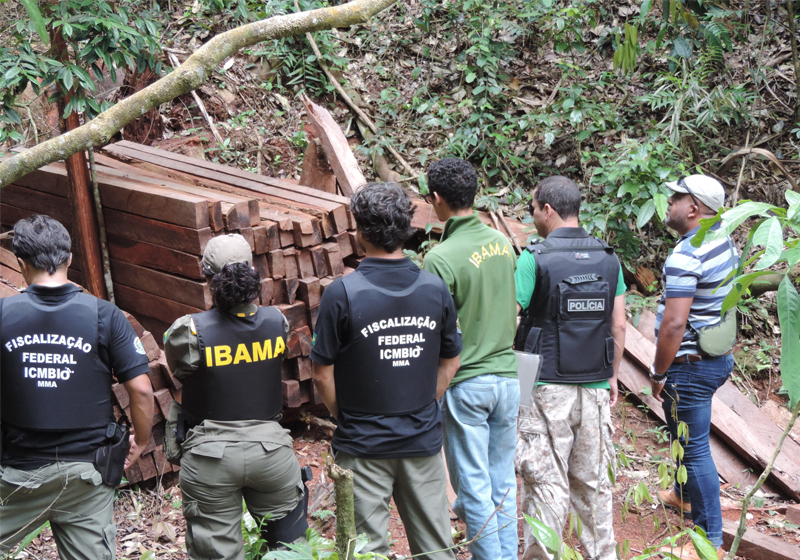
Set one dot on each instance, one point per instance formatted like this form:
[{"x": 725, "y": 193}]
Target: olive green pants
[
  {"x": 72, "y": 497},
  {"x": 419, "y": 489},
  {"x": 216, "y": 475}
]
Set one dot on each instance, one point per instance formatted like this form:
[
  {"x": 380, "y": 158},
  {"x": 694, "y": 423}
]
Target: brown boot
[
  {"x": 669, "y": 499},
  {"x": 685, "y": 552}
]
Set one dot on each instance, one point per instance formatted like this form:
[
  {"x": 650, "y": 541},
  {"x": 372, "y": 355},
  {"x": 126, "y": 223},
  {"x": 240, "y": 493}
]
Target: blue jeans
[
  {"x": 687, "y": 397},
  {"x": 480, "y": 435}
]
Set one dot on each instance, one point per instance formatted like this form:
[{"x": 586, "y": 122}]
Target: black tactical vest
[
  {"x": 389, "y": 366},
  {"x": 52, "y": 376},
  {"x": 239, "y": 377},
  {"x": 569, "y": 317}
]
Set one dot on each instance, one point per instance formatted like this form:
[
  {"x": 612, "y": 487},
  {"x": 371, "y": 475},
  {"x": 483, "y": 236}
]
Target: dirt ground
[{"x": 150, "y": 520}]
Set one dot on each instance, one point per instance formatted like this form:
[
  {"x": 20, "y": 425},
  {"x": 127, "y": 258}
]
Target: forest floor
[{"x": 150, "y": 524}]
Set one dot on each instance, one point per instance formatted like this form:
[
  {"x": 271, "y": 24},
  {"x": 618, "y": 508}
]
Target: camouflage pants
[{"x": 564, "y": 449}]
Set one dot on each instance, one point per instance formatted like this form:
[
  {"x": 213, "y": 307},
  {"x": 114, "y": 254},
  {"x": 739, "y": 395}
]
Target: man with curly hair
[
  {"x": 481, "y": 406},
  {"x": 386, "y": 346}
]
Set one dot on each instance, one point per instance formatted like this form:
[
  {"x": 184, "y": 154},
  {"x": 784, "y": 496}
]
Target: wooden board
[
  {"x": 19, "y": 203},
  {"x": 136, "y": 197},
  {"x": 134, "y": 227},
  {"x": 337, "y": 150},
  {"x": 288, "y": 196},
  {"x": 758, "y": 546},
  {"x": 182, "y": 290},
  {"x": 731, "y": 428},
  {"x": 155, "y": 256},
  {"x": 141, "y": 303}
]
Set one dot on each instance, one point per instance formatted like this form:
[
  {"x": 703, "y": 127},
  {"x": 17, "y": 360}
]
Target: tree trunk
[
  {"x": 345, "y": 510},
  {"x": 81, "y": 197},
  {"x": 190, "y": 75}
]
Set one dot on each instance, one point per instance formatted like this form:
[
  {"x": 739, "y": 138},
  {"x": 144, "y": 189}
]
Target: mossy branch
[
  {"x": 345, "y": 509},
  {"x": 189, "y": 76}
]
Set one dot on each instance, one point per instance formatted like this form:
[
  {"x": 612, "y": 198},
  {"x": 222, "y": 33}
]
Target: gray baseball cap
[
  {"x": 706, "y": 189},
  {"x": 225, "y": 249}
]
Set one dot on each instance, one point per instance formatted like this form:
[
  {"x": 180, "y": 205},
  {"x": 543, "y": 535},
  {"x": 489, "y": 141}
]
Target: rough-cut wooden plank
[
  {"x": 189, "y": 292},
  {"x": 261, "y": 265},
  {"x": 215, "y": 221},
  {"x": 320, "y": 263},
  {"x": 291, "y": 393},
  {"x": 158, "y": 233},
  {"x": 156, "y": 376},
  {"x": 155, "y": 256},
  {"x": 47, "y": 204},
  {"x": 142, "y": 303},
  {"x": 43, "y": 181},
  {"x": 236, "y": 215},
  {"x": 278, "y": 293},
  {"x": 260, "y": 239},
  {"x": 337, "y": 149},
  {"x": 276, "y": 264},
  {"x": 333, "y": 258},
  {"x": 160, "y": 459},
  {"x": 317, "y": 172},
  {"x": 147, "y": 466},
  {"x": 358, "y": 250},
  {"x": 333, "y": 212},
  {"x": 301, "y": 368},
  {"x": 313, "y": 315},
  {"x": 123, "y": 399},
  {"x": 309, "y": 291},
  {"x": 247, "y": 233},
  {"x": 305, "y": 265},
  {"x": 345, "y": 246},
  {"x": 266, "y": 291},
  {"x": 9, "y": 259},
  {"x": 290, "y": 262},
  {"x": 758, "y": 546},
  {"x": 753, "y": 439},
  {"x": 164, "y": 400},
  {"x": 12, "y": 276},
  {"x": 295, "y": 314},
  {"x": 151, "y": 349},
  {"x": 133, "y": 474},
  {"x": 793, "y": 514},
  {"x": 173, "y": 382},
  {"x": 290, "y": 287},
  {"x": 299, "y": 343}
]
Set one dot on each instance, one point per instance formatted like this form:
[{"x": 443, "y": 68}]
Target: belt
[{"x": 691, "y": 358}]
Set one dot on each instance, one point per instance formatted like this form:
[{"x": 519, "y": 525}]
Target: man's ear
[
  {"x": 548, "y": 211},
  {"x": 69, "y": 261}
]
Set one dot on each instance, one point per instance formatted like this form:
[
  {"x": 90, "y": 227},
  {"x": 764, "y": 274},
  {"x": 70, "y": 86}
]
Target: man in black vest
[
  {"x": 571, "y": 292},
  {"x": 62, "y": 451},
  {"x": 229, "y": 361},
  {"x": 386, "y": 347}
]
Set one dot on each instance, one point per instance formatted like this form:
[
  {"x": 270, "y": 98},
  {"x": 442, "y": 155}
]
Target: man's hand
[
  {"x": 656, "y": 388},
  {"x": 614, "y": 393},
  {"x": 134, "y": 452}
]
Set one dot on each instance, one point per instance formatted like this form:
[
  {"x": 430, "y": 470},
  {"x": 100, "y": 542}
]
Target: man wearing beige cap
[
  {"x": 693, "y": 348},
  {"x": 225, "y": 431}
]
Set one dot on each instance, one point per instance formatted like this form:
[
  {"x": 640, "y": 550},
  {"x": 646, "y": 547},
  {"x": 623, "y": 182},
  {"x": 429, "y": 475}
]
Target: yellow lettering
[
  {"x": 280, "y": 346},
  {"x": 261, "y": 353},
  {"x": 505, "y": 250},
  {"x": 209, "y": 359},
  {"x": 475, "y": 263},
  {"x": 222, "y": 355},
  {"x": 476, "y": 257},
  {"x": 494, "y": 249},
  {"x": 241, "y": 355},
  {"x": 485, "y": 254}
]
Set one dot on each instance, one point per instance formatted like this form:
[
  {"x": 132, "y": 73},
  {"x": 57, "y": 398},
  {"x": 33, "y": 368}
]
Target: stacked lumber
[
  {"x": 162, "y": 208},
  {"x": 743, "y": 437}
]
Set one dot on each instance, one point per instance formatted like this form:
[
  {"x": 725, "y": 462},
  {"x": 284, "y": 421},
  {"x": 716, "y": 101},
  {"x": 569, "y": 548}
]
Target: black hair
[
  {"x": 455, "y": 181},
  {"x": 235, "y": 284},
  {"x": 383, "y": 214},
  {"x": 561, "y": 193},
  {"x": 42, "y": 243}
]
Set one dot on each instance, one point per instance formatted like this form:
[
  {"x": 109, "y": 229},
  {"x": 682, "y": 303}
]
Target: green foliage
[
  {"x": 630, "y": 181},
  {"x": 100, "y": 36},
  {"x": 317, "y": 547},
  {"x": 627, "y": 51}
]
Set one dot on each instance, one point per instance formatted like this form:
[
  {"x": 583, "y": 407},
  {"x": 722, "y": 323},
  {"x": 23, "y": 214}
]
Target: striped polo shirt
[{"x": 698, "y": 273}]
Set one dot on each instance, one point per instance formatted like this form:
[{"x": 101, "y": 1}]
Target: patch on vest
[
  {"x": 589, "y": 304},
  {"x": 582, "y": 256},
  {"x": 138, "y": 346},
  {"x": 582, "y": 278}
]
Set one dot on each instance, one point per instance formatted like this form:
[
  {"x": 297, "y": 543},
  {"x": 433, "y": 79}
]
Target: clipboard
[{"x": 528, "y": 369}]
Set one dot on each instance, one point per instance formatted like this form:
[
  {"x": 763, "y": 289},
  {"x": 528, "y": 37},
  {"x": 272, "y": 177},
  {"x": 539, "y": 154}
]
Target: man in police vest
[
  {"x": 571, "y": 292},
  {"x": 62, "y": 451},
  {"x": 229, "y": 361},
  {"x": 386, "y": 346}
]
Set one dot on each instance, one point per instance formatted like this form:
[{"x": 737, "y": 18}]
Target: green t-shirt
[
  {"x": 477, "y": 264},
  {"x": 526, "y": 281}
]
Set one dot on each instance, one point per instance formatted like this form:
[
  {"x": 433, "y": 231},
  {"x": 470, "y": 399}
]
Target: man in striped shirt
[{"x": 694, "y": 287}]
